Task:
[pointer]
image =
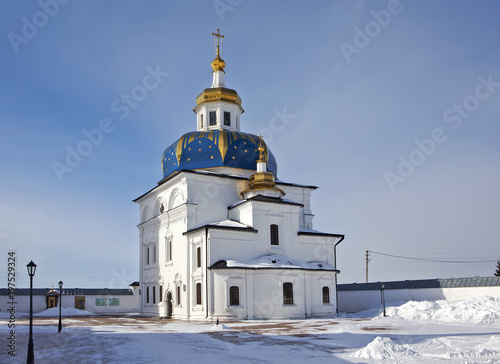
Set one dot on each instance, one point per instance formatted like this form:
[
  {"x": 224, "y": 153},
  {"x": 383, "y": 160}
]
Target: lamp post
[
  {"x": 31, "y": 272},
  {"x": 383, "y": 296},
  {"x": 60, "y": 305}
]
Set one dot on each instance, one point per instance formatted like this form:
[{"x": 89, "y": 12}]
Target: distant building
[
  {"x": 218, "y": 237},
  {"x": 95, "y": 300}
]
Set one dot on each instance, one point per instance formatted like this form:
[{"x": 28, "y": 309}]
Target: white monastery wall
[{"x": 355, "y": 301}]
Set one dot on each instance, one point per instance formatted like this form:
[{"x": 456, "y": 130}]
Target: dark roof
[
  {"x": 134, "y": 284},
  {"x": 222, "y": 175},
  {"x": 71, "y": 291},
  {"x": 222, "y": 227},
  {"x": 268, "y": 199},
  {"x": 423, "y": 283},
  {"x": 319, "y": 233},
  {"x": 222, "y": 264}
]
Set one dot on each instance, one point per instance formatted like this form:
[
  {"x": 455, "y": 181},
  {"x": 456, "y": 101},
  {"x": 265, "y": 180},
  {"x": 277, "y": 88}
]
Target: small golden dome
[{"x": 218, "y": 63}]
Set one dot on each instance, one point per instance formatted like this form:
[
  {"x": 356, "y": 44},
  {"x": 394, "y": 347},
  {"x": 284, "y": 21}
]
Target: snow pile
[
  {"x": 477, "y": 311},
  {"x": 65, "y": 311},
  {"x": 383, "y": 348},
  {"x": 220, "y": 327},
  {"x": 487, "y": 350}
]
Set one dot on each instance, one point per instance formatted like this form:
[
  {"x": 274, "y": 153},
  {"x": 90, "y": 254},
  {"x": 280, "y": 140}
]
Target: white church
[{"x": 221, "y": 236}]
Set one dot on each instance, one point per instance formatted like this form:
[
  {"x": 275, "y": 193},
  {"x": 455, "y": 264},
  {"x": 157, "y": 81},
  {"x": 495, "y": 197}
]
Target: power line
[{"x": 435, "y": 260}]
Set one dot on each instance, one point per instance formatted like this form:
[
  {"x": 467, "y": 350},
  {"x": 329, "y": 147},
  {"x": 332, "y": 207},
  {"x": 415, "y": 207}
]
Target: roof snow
[{"x": 272, "y": 261}]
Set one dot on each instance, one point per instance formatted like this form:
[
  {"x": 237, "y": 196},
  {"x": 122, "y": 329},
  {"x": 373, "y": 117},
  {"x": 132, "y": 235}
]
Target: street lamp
[
  {"x": 382, "y": 293},
  {"x": 60, "y": 305},
  {"x": 31, "y": 272}
]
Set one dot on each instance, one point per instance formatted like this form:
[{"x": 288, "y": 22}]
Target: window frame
[
  {"x": 198, "y": 257},
  {"x": 154, "y": 295},
  {"x": 234, "y": 296},
  {"x": 212, "y": 118},
  {"x": 274, "y": 234},
  {"x": 227, "y": 121},
  {"x": 287, "y": 293},
  {"x": 147, "y": 294},
  {"x": 198, "y": 294},
  {"x": 325, "y": 294},
  {"x": 178, "y": 295}
]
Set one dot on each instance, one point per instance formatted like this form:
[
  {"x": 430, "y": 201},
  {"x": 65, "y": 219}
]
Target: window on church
[
  {"x": 169, "y": 250},
  {"x": 178, "y": 295},
  {"x": 198, "y": 257},
  {"x": 201, "y": 121},
  {"x": 234, "y": 296},
  {"x": 147, "y": 294},
  {"x": 274, "y": 235},
  {"x": 198, "y": 293},
  {"x": 154, "y": 294},
  {"x": 213, "y": 118},
  {"x": 147, "y": 257},
  {"x": 326, "y": 294},
  {"x": 154, "y": 254},
  {"x": 227, "y": 118},
  {"x": 160, "y": 298},
  {"x": 287, "y": 293}
]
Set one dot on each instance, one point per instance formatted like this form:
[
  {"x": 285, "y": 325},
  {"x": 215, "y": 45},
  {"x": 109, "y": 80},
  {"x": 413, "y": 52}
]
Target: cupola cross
[{"x": 219, "y": 36}]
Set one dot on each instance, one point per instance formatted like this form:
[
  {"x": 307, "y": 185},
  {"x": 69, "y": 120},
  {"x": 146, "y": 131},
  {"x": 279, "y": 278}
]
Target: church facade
[{"x": 221, "y": 236}]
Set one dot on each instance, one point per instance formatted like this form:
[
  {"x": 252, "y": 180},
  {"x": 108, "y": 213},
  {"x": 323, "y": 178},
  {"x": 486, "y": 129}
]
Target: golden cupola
[
  {"x": 262, "y": 182},
  {"x": 218, "y": 91}
]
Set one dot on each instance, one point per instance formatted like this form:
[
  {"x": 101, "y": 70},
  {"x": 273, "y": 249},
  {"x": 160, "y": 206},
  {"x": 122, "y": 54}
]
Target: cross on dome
[{"x": 219, "y": 36}]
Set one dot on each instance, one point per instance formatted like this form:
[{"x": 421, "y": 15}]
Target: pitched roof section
[
  {"x": 423, "y": 283},
  {"x": 268, "y": 199},
  {"x": 273, "y": 261},
  {"x": 224, "y": 225}
]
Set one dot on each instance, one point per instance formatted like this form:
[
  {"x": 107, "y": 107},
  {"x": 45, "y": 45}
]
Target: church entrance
[{"x": 169, "y": 304}]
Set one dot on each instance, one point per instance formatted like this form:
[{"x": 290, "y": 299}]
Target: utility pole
[{"x": 367, "y": 260}]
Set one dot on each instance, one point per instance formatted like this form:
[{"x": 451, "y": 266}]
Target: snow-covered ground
[{"x": 412, "y": 332}]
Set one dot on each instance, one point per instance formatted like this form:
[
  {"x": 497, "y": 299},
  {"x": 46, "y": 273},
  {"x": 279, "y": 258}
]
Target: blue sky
[{"x": 395, "y": 118}]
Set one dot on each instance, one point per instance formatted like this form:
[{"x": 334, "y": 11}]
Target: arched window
[
  {"x": 154, "y": 294},
  {"x": 147, "y": 294},
  {"x": 234, "y": 296},
  {"x": 198, "y": 257},
  {"x": 326, "y": 294},
  {"x": 287, "y": 293},
  {"x": 274, "y": 235},
  {"x": 198, "y": 293}
]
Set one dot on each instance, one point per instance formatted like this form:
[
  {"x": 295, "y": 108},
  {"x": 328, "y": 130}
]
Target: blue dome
[{"x": 215, "y": 148}]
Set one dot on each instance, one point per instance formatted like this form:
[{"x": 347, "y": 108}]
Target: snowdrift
[
  {"x": 65, "y": 311},
  {"x": 477, "y": 311}
]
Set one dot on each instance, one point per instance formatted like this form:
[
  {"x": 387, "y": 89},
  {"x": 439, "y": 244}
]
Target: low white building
[
  {"x": 221, "y": 236},
  {"x": 95, "y": 300}
]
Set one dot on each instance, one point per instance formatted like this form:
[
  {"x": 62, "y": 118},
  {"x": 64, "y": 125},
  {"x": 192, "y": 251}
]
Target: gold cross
[{"x": 219, "y": 36}]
